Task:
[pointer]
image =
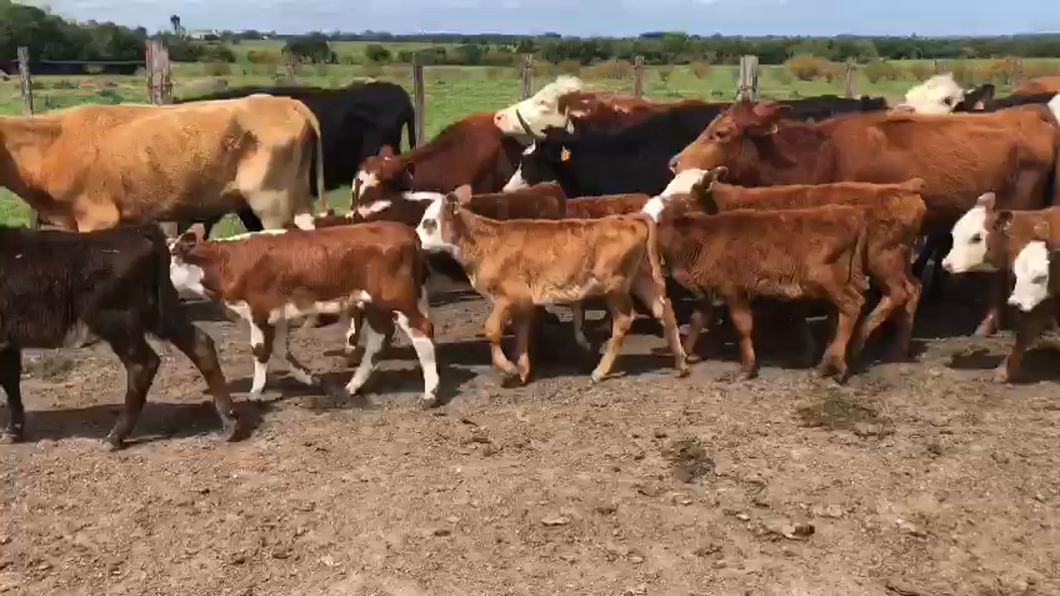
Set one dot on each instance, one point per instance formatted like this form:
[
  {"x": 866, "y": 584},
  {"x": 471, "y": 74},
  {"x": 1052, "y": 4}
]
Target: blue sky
[{"x": 587, "y": 17}]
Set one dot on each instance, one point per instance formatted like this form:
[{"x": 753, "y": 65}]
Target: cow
[
  {"x": 894, "y": 216},
  {"x": 468, "y": 151},
  {"x": 634, "y": 159},
  {"x": 541, "y": 201},
  {"x": 112, "y": 282},
  {"x": 355, "y": 121},
  {"x": 983, "y": 99},
  {"x": 939, "y": 94},
  {"x": 521, "y": 264},
  {"x": 790, "y": 254},
  {"x": 91, "y": 166},
  {"x": 267, "y": 279},
  {"x": 1011, "y": 152},
  {"x": 1043, "y": 84}
]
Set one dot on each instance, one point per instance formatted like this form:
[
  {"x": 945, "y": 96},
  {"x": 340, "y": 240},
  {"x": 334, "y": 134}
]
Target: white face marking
[
  {"x": 683, "y": 182},
  {"x": 304, "y": 221},
  {"x": 937, "y": 95},
  {"x": 423, "y": 195},
  {"x": 431, "y": 239},
  {"x": 516, "y": 182},
  {"x": 654, "y": 207},
  {"x": 367, "y": 180},
  {"x": 540, "y": 111},
  {"x": 1054, "y": 106},
  {"x": 969, "y": 243},
  {"x": 186, "y": 278},
  {"x": 375, "y": 207},
  {"x": 425, "y": 352},
  {"x": 1032, "y": 276},
  {"x": 372, "y": 344}
]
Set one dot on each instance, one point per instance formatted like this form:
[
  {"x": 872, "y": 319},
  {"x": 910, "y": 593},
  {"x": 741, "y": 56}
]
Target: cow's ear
[
  {"x": 198, "y": 230},
  {"x": 986, "y": 201},
  {"x": 1041, "y": 232},
  {"x": 463, "y": 193},
  {"x": 410, "y": 168},
  {"x": 716, "y": 175},
  {"x": 1003, "y": 221}
]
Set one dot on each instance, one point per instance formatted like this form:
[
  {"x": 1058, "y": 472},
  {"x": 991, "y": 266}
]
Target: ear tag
[{"x": 564, "y": 155}]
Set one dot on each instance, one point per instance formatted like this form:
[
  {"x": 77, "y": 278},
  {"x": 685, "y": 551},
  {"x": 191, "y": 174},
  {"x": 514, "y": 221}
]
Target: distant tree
[
  {"x": 313, "y": 47},
  {"x": 377, "y": 53}
]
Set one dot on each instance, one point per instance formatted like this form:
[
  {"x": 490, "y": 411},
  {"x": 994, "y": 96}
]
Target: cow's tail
[
  {"x": 1054, "y": 192},
  {"x": 654, "y": 257},
  {"x": 167, "y": 309},
  {"x": 319, "y": 149},
  {"x": 410, "y": 124}
]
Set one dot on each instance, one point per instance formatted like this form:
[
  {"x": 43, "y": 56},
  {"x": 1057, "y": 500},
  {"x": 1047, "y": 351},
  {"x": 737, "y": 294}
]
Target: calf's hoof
[
  {"x": 1004, "y": 376},
  {"x": 683, "y": 370},
  {"x": 429, "y": 401},
  {"x": 231, "y": 431},
  {"x": 112, "y": 444},
  {"x": 10, "y": 437}
]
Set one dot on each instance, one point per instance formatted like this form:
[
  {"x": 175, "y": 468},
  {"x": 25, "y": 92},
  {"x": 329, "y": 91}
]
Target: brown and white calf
[
  {"x": 1036, "y": 293},
  {"x": 269, "y": 278},
  {"x": 895, "y": 214},
  {"x": 520, "y": 264},
  {"x": 788, "y": 254}
]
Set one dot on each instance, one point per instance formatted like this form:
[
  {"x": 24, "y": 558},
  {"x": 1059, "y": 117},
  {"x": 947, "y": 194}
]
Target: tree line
[{"x": 50, "y": 37}]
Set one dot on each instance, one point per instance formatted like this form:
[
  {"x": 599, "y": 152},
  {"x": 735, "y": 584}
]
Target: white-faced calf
[
  {"x": 113, "y": 282},
  {"x": 268, "y": 279},
  {"x": 519, "y": 264}
]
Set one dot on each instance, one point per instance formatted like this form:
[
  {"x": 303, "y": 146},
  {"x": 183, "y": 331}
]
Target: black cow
[
  {"x": 355, "y": 122},
  {"x": 981, "y": 99},
  {"x": 113, "y": 283},
  {"x": 636, "y": 159}
]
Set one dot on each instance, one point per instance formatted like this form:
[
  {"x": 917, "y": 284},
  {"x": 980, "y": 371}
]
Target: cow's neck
[
  {"x": 210, "y": 256},
  {"x": 24, "y": 143},
  {"x": 476, "y": 236},
  {"x": 789, "y": 156}
]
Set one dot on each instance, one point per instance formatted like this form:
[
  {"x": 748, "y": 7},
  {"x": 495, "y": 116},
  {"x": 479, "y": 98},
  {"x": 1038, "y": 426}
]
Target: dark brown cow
[
  {"x": 895, "y": 213},
  {"x": 788, "y": 254},
  {"x": 471, "y": 150},
  {"x": 1012, "y": 152},
  {"x": 271, "y": 278}
]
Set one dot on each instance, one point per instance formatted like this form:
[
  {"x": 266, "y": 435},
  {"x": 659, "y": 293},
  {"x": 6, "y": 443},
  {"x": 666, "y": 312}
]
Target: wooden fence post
[
  {"x": 851, "y": 80},
  {"x": 940, "y": 66},
  {"x": 526, "y": 88},
  {"x": 26, "y": 90},
  {"x": 419, "y": 99},
  {"x": 288, "y": 68},
  {"x": 1017, "y": 72},
  {"x": 638, "y": 76},
  {"x": 160, "y": 90},
  {"x": 748, "y": 88}
]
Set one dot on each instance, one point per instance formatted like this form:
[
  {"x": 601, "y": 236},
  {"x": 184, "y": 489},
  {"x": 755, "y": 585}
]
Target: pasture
[{"x": 921, "y": 478}]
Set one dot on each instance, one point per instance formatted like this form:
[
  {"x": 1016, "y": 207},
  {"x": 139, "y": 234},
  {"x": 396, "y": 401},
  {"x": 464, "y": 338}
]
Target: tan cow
[
  {"x": 520, "y": 264},
  {"x": 92, "y": 166},
  {"x": 1043, "y": 84}
]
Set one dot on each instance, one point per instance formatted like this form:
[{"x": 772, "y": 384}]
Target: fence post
[
  {"x": 940, "y": 66},
  {"x": 748, "y": 88},
  {"x": 851, "y": 80},
  {"x": 160, "y": 90},
  {"x": 419, "y": 99},
  {"x": 638, "y": 76},
  {"x": 1017, "y": 72},
  {"x": 26, "y": 90},
  {"x": 288, "y": 68},
  {"x": 526, "y": 88}
]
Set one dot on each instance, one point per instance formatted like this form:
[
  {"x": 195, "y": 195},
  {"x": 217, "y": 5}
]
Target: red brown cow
[
  {"x": 788, "y": 254},
  {"x": 271, "y": 278},
  {"x": 1012, "y": 152},
  {"x": 471, "y": 150},
  {"x": 521, "y": 264},
  {"x": 895, "y": 213}
]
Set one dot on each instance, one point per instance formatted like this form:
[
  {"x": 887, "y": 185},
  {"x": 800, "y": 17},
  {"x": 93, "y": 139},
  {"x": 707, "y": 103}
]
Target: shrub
[
  {"x": 611, "y": 69},
  {"x": 921, "y": 71},
  {"x": 700, "y": 69},
  {"x": 570, "y": 67},
  {"x": 880, "y": 69},
  {"x": 372, "y": 70},
  {"x": 217, "y": 69},
  {"x": 1035, "y": 69},
  {"x": 377, "y": 53},
  {"x": 542, "y": 68},
  {"x": 1002, "y": 71},
  {"x": 665, "y": 72},
  {"x": 61, "y": 84},
  {"x": 263, "y": 70},
  {"x": 262, "y": 57},
  {"x": 962, "y": 73},
  {"x": 784, "y": 76},
  {"x": 832, "y": 71},
  {"x": 495, "y": 73},
  {"x": 806, "y": 67}
]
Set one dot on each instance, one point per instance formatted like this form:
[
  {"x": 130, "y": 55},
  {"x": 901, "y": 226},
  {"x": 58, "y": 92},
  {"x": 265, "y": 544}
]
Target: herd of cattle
[{"x": 569, "y": 197}]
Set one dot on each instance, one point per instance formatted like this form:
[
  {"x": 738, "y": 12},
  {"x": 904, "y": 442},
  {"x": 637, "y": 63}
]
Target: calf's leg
[
  {"x": 578, "y": 315},
  {"x": 848, "y": 308},
  {"x": 998, "y": 297},
  {"x": 903, "y": 339},
  {"x": 199, "y": 348},
  {"x": 523, "y": 321},
  {"x": 261, "y": 338},
  {"x": 1030, "y": 329},
  {"x": 417, "y": 326},
  {"x": 654, "y": 296},
  {"x": 893, "y": 296},
  {"x": 141, "y": 364},
  {"x": 494, "y": 329},
  {"x": 282, "y": 348},
  {"x": 10, "y": 373},
  {"x": 621, "y": 307},
  {"x": 743, "y": 320},
  {"x": 375, "y": 330}
]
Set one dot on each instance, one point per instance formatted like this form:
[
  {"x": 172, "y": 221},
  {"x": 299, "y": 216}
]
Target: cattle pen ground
[{"x": 922, "y": 478}]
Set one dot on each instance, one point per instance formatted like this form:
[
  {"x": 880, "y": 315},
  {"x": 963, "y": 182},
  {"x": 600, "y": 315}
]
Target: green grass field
[{"x": 451, "y": 92}]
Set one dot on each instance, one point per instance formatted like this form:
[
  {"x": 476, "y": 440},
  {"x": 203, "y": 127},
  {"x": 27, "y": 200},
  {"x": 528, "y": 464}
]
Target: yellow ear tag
[{"x": 564, "y": 155}]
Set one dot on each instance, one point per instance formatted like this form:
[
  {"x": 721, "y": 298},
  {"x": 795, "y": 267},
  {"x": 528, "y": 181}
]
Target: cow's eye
[
  {"x": 1041, "y": 279},
  {"x": 429, "y": 225},
  {"x": 977, "y": 238}
]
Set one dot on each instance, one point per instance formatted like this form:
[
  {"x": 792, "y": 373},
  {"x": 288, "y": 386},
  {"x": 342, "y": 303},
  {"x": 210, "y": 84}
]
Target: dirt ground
[{"x": 923, "y": 478}]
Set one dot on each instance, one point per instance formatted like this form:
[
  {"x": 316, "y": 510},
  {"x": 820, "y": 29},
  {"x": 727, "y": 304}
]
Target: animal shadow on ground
[
  {"x": 206, "y": 310},
  {"x": 158, "y": 421},
  {"x": 1039, "y": 364}
]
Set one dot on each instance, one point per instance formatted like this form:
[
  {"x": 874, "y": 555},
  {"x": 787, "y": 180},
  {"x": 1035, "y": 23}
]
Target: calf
[
  {"x": 787, "y": 254},
  {"x": 604, "y": 205},
  {"x": 540, "y": 201},
  {"x": 1035, "y": 293},
  {"x": 521, "y": 264},
  {"x": 268, "y": 279},
  {"x": 111, "y": 282},
  {"x": 895, "y": 213}
]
